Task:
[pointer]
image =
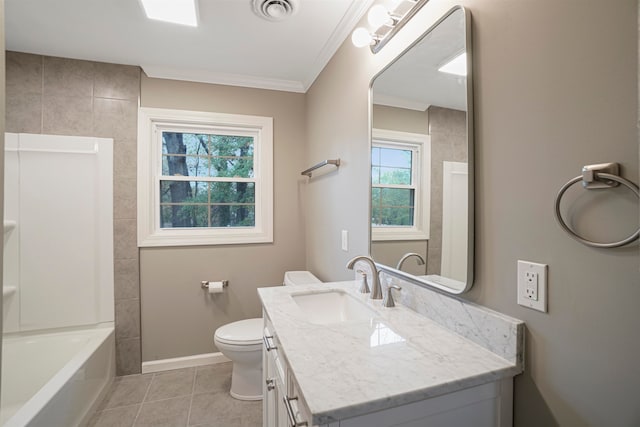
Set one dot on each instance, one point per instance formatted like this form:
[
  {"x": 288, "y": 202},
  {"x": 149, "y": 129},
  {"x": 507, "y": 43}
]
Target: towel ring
[{"x": 590, "y": 175}]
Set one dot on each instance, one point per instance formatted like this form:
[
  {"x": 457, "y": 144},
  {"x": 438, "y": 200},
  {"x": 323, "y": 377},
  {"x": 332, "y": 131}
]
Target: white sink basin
[{"x": 332, "y": 306}]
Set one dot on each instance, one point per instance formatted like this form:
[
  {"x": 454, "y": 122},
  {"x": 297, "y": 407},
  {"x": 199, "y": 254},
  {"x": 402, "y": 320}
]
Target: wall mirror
[{"x": 422, "y": 159}]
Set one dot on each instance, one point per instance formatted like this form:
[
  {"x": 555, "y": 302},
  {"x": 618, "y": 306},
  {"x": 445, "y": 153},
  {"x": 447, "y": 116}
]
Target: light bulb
[
  {"x": 361, "y": 37},
  {"x": 378, "y": 16}
]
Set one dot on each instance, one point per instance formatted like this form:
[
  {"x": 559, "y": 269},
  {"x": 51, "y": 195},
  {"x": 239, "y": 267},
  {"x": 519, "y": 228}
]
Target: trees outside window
[
  {"x": 400, "y": 191},
  {"x": 208, "y": 177}
]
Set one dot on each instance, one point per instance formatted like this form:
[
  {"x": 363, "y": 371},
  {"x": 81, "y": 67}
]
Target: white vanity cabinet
[
  {"x": 395, "y": 368},
  {"x": 282, "y": 406},
  {"x": 486, "y": 405}
]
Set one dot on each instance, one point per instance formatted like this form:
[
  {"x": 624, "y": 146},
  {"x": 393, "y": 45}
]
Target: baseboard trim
[{"x": 183, "y": 362}]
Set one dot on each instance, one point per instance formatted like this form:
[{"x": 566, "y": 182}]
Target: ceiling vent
[{"x": 275, "y": 10}]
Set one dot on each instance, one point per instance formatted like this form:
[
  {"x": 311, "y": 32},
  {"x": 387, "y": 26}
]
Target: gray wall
[
  {"x": 400, "y": 119},
  {"x": 69, "y": 97},
  {"x": 555, "y": 89},
  {"x": 179, "y": 318}
]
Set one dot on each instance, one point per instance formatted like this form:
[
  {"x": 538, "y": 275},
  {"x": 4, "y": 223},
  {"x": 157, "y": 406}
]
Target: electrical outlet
[{"x": 532, "y": 285}]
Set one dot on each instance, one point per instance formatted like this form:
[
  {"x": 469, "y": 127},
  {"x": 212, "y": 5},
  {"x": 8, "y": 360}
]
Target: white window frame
[
  {"x": 151, "y": 123},
  {"x": 420, "y": 144}
]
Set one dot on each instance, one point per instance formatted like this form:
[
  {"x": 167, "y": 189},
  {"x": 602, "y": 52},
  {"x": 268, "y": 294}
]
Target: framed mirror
[{"x": 422, "y": 196}]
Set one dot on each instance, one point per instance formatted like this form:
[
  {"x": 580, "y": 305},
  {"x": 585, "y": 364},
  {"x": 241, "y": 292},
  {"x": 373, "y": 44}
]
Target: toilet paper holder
[{"x": 205, "y": 283}]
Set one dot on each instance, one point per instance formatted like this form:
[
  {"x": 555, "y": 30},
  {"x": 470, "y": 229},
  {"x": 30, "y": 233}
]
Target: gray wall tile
[
  {"x": 127, "y": 318},
  {"x": 448, "y": 143},
  {"x": 117, "y": 82},
  {"x": 67, "y": 115},
  {"x": 24, "y": 74},
  {"x": 126, "y": 277},
  {"x": 24, "y": 113},
  {"x": 115, "y": 118},
  {"x": 124, "y": 198},
  {"x": 125, "y": 156},
  {"x": 125, "y": 244},
  {"x": 68, "y": 77},
  {"x": 128, "y": 356}
]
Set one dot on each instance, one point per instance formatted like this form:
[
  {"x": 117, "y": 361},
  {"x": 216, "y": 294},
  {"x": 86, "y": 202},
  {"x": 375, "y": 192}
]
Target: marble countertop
[{"x": 357, "y": 367}]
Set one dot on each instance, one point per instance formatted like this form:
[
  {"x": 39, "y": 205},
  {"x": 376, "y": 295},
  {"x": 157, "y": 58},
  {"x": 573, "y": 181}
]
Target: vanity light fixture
[
  {"x": 181, "y": 12},
  {"x": 361, "y": 37},
  {"x": 386, "y": 21},
  {"x": 457, "y": 65}
]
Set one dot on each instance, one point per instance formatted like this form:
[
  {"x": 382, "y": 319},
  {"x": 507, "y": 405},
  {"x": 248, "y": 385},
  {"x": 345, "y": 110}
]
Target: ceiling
[
  {"x": 231, "y": 45},
  {"x": 414, "y": 82}
]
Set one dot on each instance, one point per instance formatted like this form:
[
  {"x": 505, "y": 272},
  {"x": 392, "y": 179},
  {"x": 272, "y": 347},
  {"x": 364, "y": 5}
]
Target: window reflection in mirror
[{"x": 421, "y": 153}]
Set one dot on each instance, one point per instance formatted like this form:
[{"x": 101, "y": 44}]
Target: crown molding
[
  {"x": 227, "y": 79},
  {"x": 355, "y": 12},
  {"x": 394, "y": 101}
]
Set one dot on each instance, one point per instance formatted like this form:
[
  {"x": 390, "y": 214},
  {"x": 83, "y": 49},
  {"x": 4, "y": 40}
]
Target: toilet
[{"x": 241, "y": 342}]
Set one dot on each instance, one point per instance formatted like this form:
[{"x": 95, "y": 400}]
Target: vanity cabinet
[
  {"x": 486, "y": 405},
  {"x": 282, "y": 406},
  {"x": 396, "y": 368}
]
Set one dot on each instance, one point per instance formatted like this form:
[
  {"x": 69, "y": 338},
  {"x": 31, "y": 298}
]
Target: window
[
  {"x": 399, "y": 185},
  {"x": 204, "y": 178}
]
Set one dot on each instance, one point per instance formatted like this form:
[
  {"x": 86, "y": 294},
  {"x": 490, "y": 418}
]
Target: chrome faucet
[
  {"x": 376, "y": 292},
  {"x": 409, "y": 255},
  {"x": 387, "y": 301}
]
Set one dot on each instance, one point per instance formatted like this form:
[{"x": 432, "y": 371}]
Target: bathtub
[{"x": 55, "y": 379}]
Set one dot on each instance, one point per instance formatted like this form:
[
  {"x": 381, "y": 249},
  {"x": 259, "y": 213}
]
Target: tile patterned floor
[{"x": 182, "y": 398}]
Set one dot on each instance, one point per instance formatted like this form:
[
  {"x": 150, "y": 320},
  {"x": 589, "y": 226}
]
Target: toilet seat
[{"x": 242, "y": 333}]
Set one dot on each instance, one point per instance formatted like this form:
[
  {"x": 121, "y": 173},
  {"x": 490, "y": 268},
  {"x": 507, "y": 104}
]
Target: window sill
[{"x": 200, "y": 237}]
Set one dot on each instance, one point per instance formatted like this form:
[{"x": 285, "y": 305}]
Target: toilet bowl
[{"x": 241, "y": 342}]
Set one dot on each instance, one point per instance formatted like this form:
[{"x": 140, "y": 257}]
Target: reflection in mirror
[{"x": 421, "y": 159}]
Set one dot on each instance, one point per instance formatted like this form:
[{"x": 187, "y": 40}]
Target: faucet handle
[
  {"x": 364, "y": 286},
  {"x": 387, "y": 301}
]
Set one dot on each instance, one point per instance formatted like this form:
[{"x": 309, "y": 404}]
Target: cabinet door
[
  {"x": 269, "y": 391},
  {"x": 297, "y": 406},
  {"x": 274, "y": 375}
]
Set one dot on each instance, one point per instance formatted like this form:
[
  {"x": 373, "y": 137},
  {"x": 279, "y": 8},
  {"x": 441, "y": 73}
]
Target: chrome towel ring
[{"x": 603, "y": 175}]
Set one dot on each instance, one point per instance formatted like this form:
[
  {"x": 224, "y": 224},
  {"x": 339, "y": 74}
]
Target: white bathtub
[{"x": 55, "y": 379}]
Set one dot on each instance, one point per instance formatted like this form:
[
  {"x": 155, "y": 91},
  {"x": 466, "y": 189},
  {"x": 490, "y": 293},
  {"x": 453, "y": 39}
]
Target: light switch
[{"x": 345, "y": 240}]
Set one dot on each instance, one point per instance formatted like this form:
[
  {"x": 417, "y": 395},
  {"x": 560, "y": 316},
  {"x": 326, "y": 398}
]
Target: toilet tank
[{"x": 299, "y": 278}]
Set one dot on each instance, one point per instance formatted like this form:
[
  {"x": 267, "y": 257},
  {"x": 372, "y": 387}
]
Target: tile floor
[{"x": 185, "y": 397}]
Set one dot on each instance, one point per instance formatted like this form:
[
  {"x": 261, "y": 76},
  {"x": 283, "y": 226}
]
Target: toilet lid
[{"x": 242, "y": 332}]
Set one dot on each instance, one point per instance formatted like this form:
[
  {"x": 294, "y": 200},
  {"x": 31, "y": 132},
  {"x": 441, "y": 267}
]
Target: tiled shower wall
[
  {"x": 448, "y": 130},
  {"x": 70, "y": 97}
]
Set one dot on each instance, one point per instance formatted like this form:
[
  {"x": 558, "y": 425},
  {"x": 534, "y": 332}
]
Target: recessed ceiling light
[
  {"x": 176, "y": 11},
  {"x": 457, "y": 66}
]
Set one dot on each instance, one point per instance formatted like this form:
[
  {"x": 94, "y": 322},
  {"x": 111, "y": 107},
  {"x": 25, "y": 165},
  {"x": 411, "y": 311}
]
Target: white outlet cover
[{"x": 541, "y": 270}]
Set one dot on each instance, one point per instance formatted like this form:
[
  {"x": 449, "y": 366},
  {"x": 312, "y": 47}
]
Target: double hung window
[
  {"x": 204, "y": 178},
  {"x": 399, "y": 185}
]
